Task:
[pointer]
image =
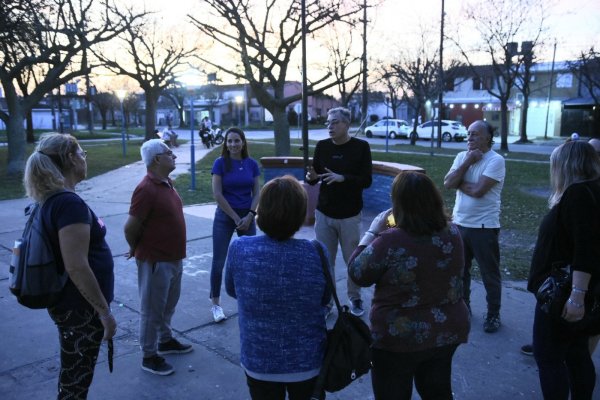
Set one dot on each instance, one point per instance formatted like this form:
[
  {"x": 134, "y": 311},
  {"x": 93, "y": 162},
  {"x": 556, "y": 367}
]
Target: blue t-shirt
[
  {"x": 238, "y": 182},
  {"x": 67, "y": 209}
]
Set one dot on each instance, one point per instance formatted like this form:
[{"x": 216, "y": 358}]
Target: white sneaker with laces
[{"x": 218, "y": 314}]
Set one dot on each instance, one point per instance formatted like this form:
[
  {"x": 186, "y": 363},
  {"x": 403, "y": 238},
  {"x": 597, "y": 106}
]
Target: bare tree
[
  {"x": 177, "y": 94},
  {"x": 152, "y": 58},
  {"x": 342, "y": 62},
  {"x": 131, "y": 105},
  {"x": 418, "y": 77},
  {"x": 523, "y": 83},
  {"x": 105, "y": 102},
  {"x": 385, "y": 75},
  {"x": 48, "y": 38},
  {"x": 499, "y": 24},
  {"x": 587, "y": 67},
  {"x": 263, "y": 39}
]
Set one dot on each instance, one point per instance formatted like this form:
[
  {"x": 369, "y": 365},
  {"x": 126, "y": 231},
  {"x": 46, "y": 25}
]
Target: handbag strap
[
  {"x": 327, "y": 273},
  {"x": 318, "y": 391}
]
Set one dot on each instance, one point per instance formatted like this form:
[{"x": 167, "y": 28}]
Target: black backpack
[{"x": 36, "y": 278}]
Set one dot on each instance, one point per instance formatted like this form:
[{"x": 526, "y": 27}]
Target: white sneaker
[{"x": 218, "y": 314}]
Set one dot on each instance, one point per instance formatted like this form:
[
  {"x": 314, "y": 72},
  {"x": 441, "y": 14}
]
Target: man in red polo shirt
[{"x": 155, "y": 232}]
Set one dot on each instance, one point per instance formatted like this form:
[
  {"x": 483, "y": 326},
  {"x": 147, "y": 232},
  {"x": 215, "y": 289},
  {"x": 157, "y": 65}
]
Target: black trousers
[
  {"x": 392, "y": 374},
  {"x": 80, "y": 334},
  {"x": 265, "y": 390}
]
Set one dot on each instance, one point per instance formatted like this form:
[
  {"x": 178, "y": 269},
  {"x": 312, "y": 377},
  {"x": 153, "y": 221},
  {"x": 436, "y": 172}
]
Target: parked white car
[
  {"x": 394, "y": 127},
  {"x": 451, "y": 130}
]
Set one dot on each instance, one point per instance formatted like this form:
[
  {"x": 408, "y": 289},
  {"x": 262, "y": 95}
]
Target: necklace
[{"x": 241, "y": 164}]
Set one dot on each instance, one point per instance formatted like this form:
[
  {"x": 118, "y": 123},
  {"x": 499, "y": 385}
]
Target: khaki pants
[{"x": 346, "y": 232}]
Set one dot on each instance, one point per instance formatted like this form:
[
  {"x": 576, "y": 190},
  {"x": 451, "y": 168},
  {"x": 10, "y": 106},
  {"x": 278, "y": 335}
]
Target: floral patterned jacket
[{"x": 417, "y": 304}]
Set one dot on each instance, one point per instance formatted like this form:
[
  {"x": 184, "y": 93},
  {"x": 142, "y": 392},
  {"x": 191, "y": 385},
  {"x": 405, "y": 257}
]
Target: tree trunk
[
  {"x": 180, "y": 112},
  {"x": 413, "y": 134},
  {"x": 104, "y": 120},
  {"x": 151, "y": 100},
  {"x": 29, "y": 129},
  {"x": 504, "y": 124},
  {"x": 523, "y": 128},
  {"x": 16, "y": 140},
  {"x": 281, "y": 128}
]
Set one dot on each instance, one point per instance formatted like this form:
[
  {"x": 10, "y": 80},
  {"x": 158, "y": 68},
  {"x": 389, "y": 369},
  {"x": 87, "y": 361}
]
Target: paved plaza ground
[{"x": 490, "y": 366}]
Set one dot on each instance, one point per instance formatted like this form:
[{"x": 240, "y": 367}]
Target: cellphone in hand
[{"x": 391, "y": 222}]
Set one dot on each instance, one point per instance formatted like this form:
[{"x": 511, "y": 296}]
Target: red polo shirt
[{"x": 160, "y": 209}]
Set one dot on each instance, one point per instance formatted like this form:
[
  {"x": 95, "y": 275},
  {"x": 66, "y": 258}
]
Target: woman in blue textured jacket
[{"x": 281, "y": 291}]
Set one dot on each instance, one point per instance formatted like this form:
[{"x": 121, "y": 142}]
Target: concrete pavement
[{"x": 488, "y": 367}]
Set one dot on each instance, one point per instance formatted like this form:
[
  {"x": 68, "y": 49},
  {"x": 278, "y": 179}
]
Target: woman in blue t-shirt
[
  {"x": 235, "y": 189},
  {"x": 77, "y": 235}
]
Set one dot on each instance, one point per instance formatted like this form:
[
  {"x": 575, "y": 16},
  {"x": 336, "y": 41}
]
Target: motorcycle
[{"x": 211, "y": 137}]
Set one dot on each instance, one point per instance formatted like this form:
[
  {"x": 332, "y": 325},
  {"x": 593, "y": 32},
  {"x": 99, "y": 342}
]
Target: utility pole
[
  {"x": 304, "y": 113},
  {"x": 441, "y": 81},
  {"x": 365, "y": 100},
  {"x": 550, "y": 91}
]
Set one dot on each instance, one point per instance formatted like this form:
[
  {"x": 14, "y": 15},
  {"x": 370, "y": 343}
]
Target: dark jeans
[
  {"x": 392, "y": 374},
  {"x": 265, "y": 390},
  {"x": 80, "y": 334},
  {"x": 223, "y": 228},
  {"x": 564, "y": 361},
  {"x": 482, "y": 244}
]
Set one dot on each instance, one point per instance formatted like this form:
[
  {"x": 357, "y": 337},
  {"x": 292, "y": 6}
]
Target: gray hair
[
  {"x": 151, "y": 149},
  {"x": 343, "y": 113},
  {"x": 45, "y": 167}
]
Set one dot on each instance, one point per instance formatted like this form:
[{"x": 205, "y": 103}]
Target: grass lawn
[
  {"x": 102, "y": 157},
  {"x": 523, "y": 198}
]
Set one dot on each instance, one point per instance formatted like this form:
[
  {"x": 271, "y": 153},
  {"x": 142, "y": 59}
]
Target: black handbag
[
  {"x": 555, "y": 290},
  {"x": 553, "y": 294},
  {"x": 348, "y": 353}
]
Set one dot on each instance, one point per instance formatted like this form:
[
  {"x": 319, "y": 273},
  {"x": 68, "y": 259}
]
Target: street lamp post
[
  {"x": 387, "y": 123},
  {"x": 238, "y": 101},
  {"x": 121, "y": 95},
  {"x": 192, "y": 146}
]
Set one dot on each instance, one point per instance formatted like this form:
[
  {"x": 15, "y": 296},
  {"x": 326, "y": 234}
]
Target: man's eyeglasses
[
  {"x": 333, "y": 122},
  {"x": 166, "y": 153}
]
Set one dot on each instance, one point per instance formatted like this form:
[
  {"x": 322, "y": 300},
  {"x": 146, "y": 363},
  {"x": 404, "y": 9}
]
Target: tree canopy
[{"x": 45, "y": 43}]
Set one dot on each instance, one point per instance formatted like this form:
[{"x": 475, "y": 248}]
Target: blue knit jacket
[{"x": 281, "y": 294}]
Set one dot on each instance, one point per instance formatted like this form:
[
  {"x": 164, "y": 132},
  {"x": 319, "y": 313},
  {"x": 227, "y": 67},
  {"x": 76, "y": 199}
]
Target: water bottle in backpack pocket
[{"x": 36, "y": 278}]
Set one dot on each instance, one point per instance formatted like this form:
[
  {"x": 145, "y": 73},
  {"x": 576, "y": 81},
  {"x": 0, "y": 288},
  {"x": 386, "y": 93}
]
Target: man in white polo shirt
[{"x": 478, "y": 176}]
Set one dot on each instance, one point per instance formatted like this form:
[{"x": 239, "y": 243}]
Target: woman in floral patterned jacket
[{"x": 418, "y": 317}]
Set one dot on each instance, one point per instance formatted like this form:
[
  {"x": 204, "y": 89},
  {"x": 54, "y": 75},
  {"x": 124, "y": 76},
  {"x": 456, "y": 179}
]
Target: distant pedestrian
[
  {"x": 280, "y": 288},
  {"x": 236, "y": 189},
  {"x": 83, "y": 316},
  {"x": 568, "y": 235},
  {"x": 343, "y": 166},
  {"x": 478, "y": 177},
  {"x": 155, "y": 232},
  {"x": 170, "y": 137},
  {"x": 418, "y": 316},
  {"x": 206, "y": 132}
]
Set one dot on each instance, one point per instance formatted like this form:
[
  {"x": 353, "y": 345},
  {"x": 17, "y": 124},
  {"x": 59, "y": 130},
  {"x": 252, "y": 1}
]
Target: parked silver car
[
  {"x": 394, "y": 127},
  {"x": 451, "y": 130}
]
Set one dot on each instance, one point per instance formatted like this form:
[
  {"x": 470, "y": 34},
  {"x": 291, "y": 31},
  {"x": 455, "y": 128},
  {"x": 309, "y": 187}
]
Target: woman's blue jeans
[{"x": 223, "y": 228}]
